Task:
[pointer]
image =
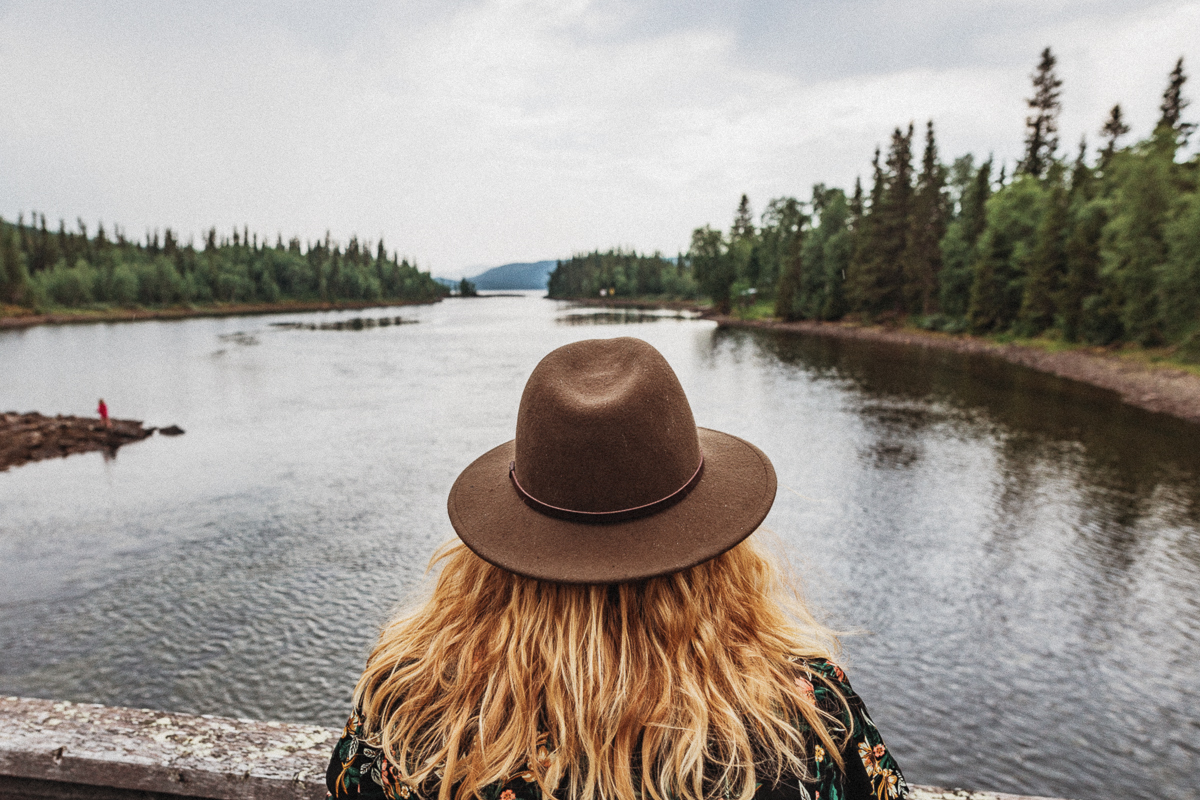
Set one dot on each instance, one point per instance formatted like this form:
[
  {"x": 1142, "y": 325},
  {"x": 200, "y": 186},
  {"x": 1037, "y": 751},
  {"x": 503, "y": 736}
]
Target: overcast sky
[{"x": 474, "y": 133}]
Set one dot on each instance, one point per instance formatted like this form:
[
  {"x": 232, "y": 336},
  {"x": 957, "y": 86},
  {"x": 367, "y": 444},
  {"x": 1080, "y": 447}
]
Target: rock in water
[
  {"x": 33, "y": 437},
  {"x": 171, "y": 430}
]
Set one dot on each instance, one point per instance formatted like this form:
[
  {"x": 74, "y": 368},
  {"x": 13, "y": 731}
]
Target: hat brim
[{"x": 726, "y": 505}]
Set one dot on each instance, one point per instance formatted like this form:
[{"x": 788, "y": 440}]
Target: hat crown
[{"x": 604, "y": 425}]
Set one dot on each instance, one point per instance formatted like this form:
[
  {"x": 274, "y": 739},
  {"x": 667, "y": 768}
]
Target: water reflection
[
  {"x": 1039, "y": 543},
  {"x": 351, "y": 324},
  {"x": 626, "y": 316}
]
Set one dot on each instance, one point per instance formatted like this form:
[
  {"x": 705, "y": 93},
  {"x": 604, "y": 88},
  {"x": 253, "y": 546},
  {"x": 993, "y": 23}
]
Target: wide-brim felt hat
[{"x": 609, "y": 479}]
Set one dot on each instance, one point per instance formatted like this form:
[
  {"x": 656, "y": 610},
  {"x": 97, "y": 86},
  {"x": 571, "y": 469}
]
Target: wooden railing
[{"x": 80, "y": 751}]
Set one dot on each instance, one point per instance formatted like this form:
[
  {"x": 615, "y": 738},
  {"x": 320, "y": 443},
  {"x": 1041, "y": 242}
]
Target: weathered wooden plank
[{"x": 154, "y": 751}]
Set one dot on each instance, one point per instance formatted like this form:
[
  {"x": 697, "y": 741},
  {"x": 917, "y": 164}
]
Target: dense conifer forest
[
  {"x": 1087, "y": 246},
  {"x": 617, "y": 273},
  {"x": 41, "y": 268}
]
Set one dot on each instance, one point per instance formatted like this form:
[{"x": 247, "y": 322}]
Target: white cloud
[{"x": 501, "y": 130}]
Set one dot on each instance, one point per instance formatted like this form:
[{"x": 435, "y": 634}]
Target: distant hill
[{"x": 521, "y": 275}]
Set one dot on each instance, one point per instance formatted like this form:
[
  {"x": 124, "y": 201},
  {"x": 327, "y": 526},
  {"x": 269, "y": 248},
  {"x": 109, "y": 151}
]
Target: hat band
[{"x": 603, "y": 517}]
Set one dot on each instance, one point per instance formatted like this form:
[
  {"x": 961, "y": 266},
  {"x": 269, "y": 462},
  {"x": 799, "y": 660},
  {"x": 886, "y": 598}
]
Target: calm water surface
[{"x": 1018, "y": 556}]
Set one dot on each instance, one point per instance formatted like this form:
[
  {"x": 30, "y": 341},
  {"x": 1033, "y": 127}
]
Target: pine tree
[
  {"x": 922, "y": 259},
  {"x": 1113, "y": 130},
  {"x": 1041, "y": 127}
]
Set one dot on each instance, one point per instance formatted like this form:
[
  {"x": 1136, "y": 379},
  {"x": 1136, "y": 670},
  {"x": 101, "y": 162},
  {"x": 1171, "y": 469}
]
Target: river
[{"x": 1015, "y": 558}]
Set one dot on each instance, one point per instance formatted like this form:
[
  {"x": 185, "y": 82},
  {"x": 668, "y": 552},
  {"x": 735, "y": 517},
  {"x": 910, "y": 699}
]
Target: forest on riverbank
[
  {"x": 1096, "y": 247},
  {"x": 43, "y": 269}
]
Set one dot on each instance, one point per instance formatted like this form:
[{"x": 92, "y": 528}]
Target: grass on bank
[{"x": 1173, "y": 357}]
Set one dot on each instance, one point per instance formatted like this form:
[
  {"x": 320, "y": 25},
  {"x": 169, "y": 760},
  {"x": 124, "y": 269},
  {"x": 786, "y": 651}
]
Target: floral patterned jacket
[{"x": 359, "y": 769}]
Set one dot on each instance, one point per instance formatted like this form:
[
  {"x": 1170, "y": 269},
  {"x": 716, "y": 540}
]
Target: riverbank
[
  {"x": 34, "y": 437},
  {"x": 13, "y": 317},
  {"x": 1155, "y": 387}
]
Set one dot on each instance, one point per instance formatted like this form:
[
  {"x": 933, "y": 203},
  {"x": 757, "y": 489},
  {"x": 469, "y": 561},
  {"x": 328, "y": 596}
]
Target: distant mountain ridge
[{"x": 516, "y": 276}]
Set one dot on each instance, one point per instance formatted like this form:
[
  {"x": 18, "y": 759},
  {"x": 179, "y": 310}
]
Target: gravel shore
[{"x": 1155, "y": 388}]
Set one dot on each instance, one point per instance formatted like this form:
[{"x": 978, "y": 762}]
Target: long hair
[{"x": 685, "y": 686}]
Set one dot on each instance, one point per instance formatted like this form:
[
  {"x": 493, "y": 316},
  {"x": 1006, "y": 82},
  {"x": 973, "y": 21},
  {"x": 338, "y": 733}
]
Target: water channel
[{"x": 1015, "y": 557}]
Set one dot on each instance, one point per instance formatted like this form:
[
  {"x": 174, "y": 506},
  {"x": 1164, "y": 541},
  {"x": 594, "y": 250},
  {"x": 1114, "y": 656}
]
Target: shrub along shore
[{"x": 18, "y": 317}]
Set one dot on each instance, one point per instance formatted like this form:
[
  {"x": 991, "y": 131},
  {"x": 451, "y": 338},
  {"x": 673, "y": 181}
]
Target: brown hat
[{"x": 609, "y": 479}]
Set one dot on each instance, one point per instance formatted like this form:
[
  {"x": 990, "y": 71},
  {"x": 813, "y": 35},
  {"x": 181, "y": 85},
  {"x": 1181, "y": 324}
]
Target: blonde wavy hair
[{"x": 685, "y": 686}]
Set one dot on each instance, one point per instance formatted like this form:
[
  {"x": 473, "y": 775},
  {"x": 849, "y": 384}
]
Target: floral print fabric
[{"x": 360, "y": 769}]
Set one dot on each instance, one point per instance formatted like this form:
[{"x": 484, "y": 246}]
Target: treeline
[
  {"x": 41, "y": 268},
  {"x": 617, "y": 273},
  {"x": 1094, "y": 247}
]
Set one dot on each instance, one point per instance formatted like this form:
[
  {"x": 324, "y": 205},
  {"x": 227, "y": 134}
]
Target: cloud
[{"x": 483, "y": 132}]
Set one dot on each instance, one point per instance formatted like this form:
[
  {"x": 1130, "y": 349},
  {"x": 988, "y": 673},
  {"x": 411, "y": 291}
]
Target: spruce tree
[
  {"x": 835, "y": 253},
  {"x": 865, "y": 257},
  {"x": 895, "y": 220},
  {"x": 962, "y": 234},
  {"x": 13, "y": 274},
  {"x": 1179, "y": 276},
  {"x": 790, "y": 275},
  {"x": 1174, "y": 103},
  {"x": 1047, "y": 266},
  {"x": 5, "y": 280},
  {"x": 877, "y": 279},
  {"x": 780, "y": 222},
  {"x": 810, "y": 292},
  {"x": 743, "y": 221},
  {"x": 712, "y": 266},
  {"x": 1082, "y": 281},
  {"x": 922, "y": 259},
  {"x": 1041, "y": 126},
  {"x": 1134, "y": 245},
  {"x": 1002, "y": 254},
  {"x": 1113, "y": 130}
]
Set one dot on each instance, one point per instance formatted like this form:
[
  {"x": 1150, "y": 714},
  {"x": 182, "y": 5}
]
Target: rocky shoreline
[
  {"x": 34, "y": 437},
  {"x": 1161, "y": 389}
]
